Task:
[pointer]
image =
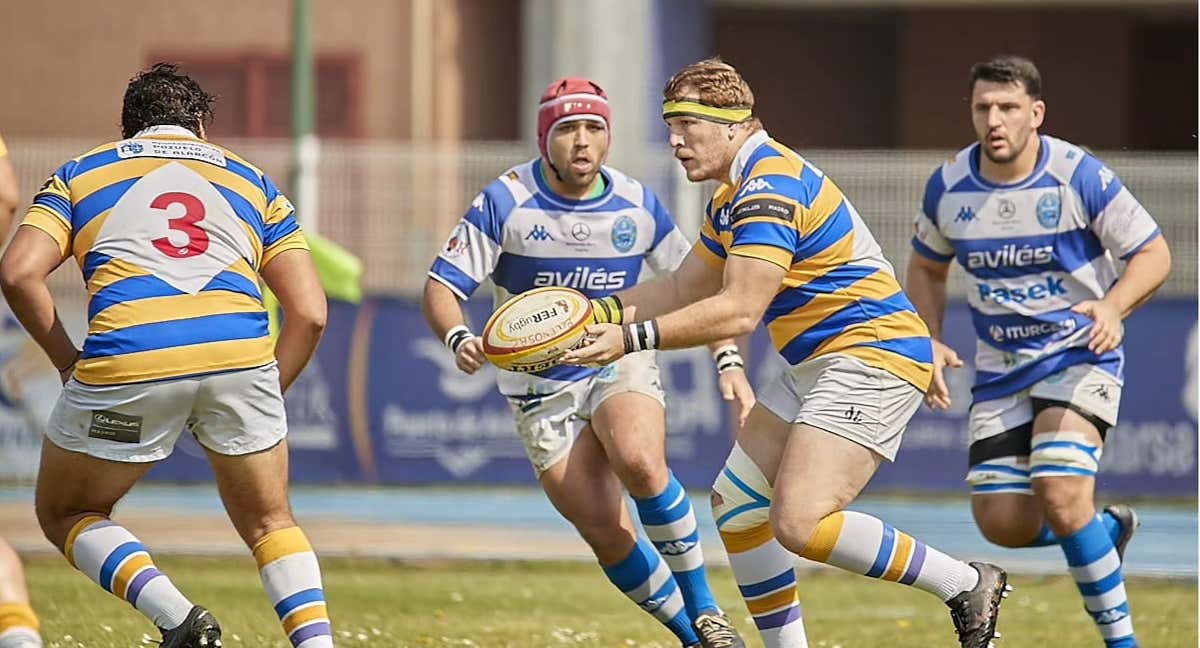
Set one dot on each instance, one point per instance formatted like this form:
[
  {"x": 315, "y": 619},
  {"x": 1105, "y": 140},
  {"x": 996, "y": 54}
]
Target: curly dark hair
[{"x": 164, "y": 96}]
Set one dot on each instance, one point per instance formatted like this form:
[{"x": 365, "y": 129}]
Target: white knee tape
[
  {"x": 743, "y": 494},
  {"x": 1063, "y": 454},
  {"x": 1000, "y": 475}
]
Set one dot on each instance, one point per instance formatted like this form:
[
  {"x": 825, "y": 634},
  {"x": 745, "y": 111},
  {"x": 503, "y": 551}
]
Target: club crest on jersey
[
  {"x": 1049, "y": 209},
  {"x": 539, "y": 233},
  {"x": 458, "y": 242},
  {"x": 624, "y": 234},
  {"x": 132, "y": 148}
]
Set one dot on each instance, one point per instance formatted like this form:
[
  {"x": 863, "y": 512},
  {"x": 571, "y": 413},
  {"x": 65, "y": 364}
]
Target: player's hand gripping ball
[{"x": 531, "y": 331}]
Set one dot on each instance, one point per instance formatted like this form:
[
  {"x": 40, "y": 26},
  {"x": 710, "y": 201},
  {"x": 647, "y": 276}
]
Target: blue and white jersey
[
  {"x": 524, "y": 236},
  {"x": 1032, "y": 250}
]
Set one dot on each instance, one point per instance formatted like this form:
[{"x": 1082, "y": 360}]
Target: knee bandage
[
  {"x": 1000, "y": 475},
  {"x": 1063, "y": 454},
  {"x": 743, "y": 496}
]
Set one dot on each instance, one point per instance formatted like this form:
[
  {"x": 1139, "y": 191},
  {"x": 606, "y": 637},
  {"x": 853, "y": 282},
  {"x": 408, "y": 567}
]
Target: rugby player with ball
[{"x": 560, "y": 222}]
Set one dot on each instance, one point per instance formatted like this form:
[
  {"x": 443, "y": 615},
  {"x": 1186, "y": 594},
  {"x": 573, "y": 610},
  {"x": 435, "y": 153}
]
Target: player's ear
[{"x": 1039, "y": 113}]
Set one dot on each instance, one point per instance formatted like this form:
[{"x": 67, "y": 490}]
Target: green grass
[{"x": 521, "y": 605}]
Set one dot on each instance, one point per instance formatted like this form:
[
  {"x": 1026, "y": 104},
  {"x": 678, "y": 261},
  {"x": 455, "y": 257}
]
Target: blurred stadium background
[{"x": 420, "y": 103}]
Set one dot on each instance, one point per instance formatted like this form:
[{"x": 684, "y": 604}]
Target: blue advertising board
[{"x": 382, "y": 402}]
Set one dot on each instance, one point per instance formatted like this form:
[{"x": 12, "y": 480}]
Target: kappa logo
[
  {"x": 539, "y": 233},
  {"x": 965, "y": 215},
  {"x": 675, "y": 547},
  {"x": 757, "y": 184},
  {"x": 1106, "y": 177}
]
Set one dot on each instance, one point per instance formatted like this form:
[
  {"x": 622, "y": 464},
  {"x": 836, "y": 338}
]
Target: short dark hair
[
  {"x": 164, "y": 96},
  {"x": 1009, "y": 69}
]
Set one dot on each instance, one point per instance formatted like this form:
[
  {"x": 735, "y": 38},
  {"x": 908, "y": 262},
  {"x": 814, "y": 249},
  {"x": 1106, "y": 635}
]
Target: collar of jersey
[
  {"x": 1043, "y": 157},
  {"x": 169, "y": 131},
  {"x": 570, "y": 203},
  {"x": 743, "y": 155}
]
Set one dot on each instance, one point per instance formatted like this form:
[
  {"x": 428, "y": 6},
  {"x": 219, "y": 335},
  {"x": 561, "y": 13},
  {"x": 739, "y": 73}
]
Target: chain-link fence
[{"x": 393, "y": 204}]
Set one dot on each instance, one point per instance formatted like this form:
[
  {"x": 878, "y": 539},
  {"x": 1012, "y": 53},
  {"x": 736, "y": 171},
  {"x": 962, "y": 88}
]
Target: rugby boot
[
  {"x": 716, "y": 631},
  {"x": 974, "y": 612},
  {"x": 199, "y": 630},
  {"x": 1129, "y": 524}
]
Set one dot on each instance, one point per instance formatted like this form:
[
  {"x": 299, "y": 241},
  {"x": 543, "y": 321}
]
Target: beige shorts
[
  {"x": 232, "y": 413},
  {"x": 845, "y": 396},
  {"x": 548, "y": 424}
]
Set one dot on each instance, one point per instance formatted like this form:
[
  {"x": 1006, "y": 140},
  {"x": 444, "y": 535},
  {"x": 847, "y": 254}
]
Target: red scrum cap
[{"x": 569, "y": 99}]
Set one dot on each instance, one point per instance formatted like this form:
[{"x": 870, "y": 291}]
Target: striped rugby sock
[
  {"x": 112, "y": 557},
  {"x": 18, "y": 626},
  {"x": 670, "y": 523},
  {"x": 292, "y": 579},
  {"x": 1046, "y": 537},
  {"x": 766, "y": 575},
  {"x": 866, "y": 545},
  {"x": 1094, "y": 565},
  {"x": 646, "y": 580}
]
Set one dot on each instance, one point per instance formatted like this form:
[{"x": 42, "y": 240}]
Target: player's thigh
[
  {"x": 626, "y": 405},
  {"x": 12, "y": 576},
  {"x": 631, "y": 428},
  {"x": 73, "y": 485},
  {"x": 763, "y": 438},
  {"x": 1073, "y": 409},
  {"x": 1065, "y": 457},
  {"x": 254, "y": 490},
  {"x": 820, "y": 473},
  {"x": 584, "y": 490},
  {"x": 239, "y": 419}
]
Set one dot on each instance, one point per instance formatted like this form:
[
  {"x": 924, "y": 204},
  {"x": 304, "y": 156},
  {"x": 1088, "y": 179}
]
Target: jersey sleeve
[
  {"x": 764, "y": 219},
  {"x": 281, "y": 230},
  {"x": 669, "y": 246},
  {"x": 1117, "y": 218},
  {"x": 928, "y": 240},
  {"x": 51, "y": 210},
  {"x": 708, "y": 245},
  {"x": 473, "y": 249}
]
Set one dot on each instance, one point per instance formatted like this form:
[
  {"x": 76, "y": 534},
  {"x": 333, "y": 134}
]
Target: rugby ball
[{"x": 531, "y": 331}]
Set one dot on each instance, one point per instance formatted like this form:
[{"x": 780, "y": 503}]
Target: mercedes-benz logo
[
  {"x": 1007, "y": 209},
  {"x": 580, "y": 231}
]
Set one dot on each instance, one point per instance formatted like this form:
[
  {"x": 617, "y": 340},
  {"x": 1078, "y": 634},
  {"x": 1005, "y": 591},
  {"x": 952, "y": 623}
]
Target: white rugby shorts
[
  {"x": 847, "y": 397},
  {"x": 230, "y": 413},
  {"x": 548, "y": 424}
]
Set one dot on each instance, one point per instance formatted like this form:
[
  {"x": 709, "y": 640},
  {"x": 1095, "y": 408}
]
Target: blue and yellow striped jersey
[
  {"x": 170, "y": 232},
  {"x": 840, "y": 295}
]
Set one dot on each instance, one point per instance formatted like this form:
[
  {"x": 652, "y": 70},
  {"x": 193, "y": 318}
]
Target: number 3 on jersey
[{"x": 197, "y": 238}]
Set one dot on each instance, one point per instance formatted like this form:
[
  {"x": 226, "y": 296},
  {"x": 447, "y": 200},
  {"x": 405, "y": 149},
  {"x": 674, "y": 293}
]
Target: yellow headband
[{"x": 704, "y": 111}]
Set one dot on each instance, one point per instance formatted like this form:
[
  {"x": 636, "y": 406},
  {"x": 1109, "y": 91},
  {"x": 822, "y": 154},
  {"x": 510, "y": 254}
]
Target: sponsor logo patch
[
  {"x": 114, "y": 426},
  {"x": 764, "y": 208}
]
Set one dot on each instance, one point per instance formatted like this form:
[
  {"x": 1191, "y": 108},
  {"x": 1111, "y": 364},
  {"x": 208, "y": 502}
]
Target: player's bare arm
[
  {"x": 10, "y": 198},
  {"x": 293, "y": 278},
  {"x": 926, "y": 287},
  {"x": 733, "y": 311},
  {"x": 29, "y": 259},
  {"x": 443, "y": 312},
  {"x": 692, "y": 281},
  {"x": 1144, "y": 274}
]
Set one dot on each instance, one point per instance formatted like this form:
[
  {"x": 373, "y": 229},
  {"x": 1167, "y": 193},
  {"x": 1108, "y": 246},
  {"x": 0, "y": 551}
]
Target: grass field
[{"x": 523, "y": 605}]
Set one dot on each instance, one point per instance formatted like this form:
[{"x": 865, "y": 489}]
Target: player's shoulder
[
  {"x": 956, "y": 168},
  {"x": 510, "y": 189},
  {"x": 630, "y": 189},
  {"x": 1071, "y": 164}
]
